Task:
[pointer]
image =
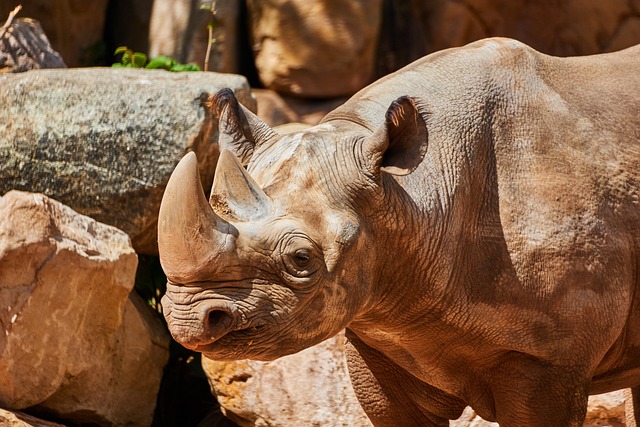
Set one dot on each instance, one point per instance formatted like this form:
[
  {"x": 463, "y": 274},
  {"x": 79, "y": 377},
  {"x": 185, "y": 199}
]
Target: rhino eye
[
  {"x": 300, "y": 263},
  {"x": 302, "y": 257},
  {"x": 299, "y": 257}
]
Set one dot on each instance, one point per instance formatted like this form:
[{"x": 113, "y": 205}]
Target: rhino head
[{"x": 283, "y": 254}]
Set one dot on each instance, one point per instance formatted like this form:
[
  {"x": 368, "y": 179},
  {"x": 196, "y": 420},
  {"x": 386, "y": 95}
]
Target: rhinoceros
[{"x": 472, "y": 220}]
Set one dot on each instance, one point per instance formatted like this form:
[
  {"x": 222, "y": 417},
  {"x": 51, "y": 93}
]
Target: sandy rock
[
  {"x": 25, "y": 47},
  {"x": 75, "y": 27},
  {"x": 20, "y": 419},
  {"x": 73, "y": 341},
  {"x": 105, "y": 141},
  {"x": 319, "y": 48},
  {"x": 310, "y": 388},
  {"x": 605, "y": 410},
  {"x": 133, "y": 365},
  {"x": 469, "y": 418}
]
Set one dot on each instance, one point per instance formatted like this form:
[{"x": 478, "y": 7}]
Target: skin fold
[{"x": 472, "y": 219}]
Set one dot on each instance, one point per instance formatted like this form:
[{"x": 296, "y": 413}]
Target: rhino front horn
[{"x": 190, "y": 235}]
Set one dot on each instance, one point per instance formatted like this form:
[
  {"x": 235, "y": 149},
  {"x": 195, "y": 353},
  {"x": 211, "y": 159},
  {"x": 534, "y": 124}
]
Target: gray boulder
[{"x": 104, "y": 141}]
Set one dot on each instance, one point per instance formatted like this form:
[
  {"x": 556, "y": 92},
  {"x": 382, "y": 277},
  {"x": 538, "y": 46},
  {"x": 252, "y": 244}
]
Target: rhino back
[{"x": 548, "y": 128}]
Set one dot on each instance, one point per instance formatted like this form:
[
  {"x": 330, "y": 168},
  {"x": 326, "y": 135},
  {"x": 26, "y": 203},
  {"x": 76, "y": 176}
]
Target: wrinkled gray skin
[{"x": 473, "y": 220}]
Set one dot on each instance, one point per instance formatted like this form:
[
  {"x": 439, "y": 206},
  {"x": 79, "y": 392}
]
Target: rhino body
[{"x": 473, "y": 220}]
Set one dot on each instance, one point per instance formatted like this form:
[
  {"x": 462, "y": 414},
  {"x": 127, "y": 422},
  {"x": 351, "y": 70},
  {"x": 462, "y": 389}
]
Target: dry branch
[{"x": 7, "y": 24}]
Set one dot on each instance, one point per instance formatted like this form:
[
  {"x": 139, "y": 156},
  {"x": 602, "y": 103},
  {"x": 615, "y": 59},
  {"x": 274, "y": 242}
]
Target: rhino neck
[
  {"x": 408, "y": 266},
  {"x": 441, "y": 230}
]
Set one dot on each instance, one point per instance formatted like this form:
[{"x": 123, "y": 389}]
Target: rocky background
[{"x": 85, "y": 152}]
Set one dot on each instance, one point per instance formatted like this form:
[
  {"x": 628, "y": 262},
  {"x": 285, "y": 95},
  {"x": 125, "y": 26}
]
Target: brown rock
[
  {"x": 275, "y": 109},
  {"x": 316, "y": 49},
  {"x": 310, "y": 388},
  {"x": 25, "y": 47},
  {"x": 73, "y": 341},
  {"x": 573, "y": 27},
  {"x": 169, "y": 32},
  {"x": 74, "y": 26}
]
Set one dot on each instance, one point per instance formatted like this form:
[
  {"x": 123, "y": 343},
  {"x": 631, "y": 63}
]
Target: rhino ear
[
  {"x": 240, "y": 131},
  {"x": 399, "y": 145}
]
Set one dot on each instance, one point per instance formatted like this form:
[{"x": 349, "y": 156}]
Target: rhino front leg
[
  {"x": 390, "y": 396},
  {"x": 531, "y": 392},
  {"x": 632, "y": 405}
]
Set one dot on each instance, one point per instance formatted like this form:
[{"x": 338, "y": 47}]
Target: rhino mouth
[
  {"x": 229, "y": 328},
  {"x": 210, "y": 322},
  {"x": 235, "y": 344}
]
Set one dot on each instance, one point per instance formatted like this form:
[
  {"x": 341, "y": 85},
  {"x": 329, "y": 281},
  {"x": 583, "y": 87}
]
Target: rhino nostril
[
  {"x": 218, "y": 317},
  {"x": 217, "y": 322}
]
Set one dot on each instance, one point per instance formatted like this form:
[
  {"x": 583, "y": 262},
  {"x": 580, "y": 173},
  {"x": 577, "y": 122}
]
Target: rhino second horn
[
  {"x": 235, "y": 193},
  {"x": 190, "y": 234}
]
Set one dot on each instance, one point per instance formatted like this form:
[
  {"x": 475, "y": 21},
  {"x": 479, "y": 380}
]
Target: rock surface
[
  {"x": 572, "y": 27},
  {"x": 178, "y": 28},
  {"x": 276, "y": 109},
  {"x": 25, "y": 47},
  {"x": 319, "y": 49},
  {"x": 105, "y": 141},
  {"x": 73, "y": 341},
  {"x": 310, "y": 388},
  {"x": 605, "y": 410},
  {"x": 75, "y": 27},
  {"x": 19, "y": 419},
  {"x": 171, "y": 28}
]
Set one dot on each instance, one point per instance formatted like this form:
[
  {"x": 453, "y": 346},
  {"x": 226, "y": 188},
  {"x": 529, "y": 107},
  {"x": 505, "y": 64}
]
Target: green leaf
[
  {"x": 161, "y": 62},
  {"x": 184, "y": 67},
  {"x": 121, "y": 49},
  {"x": 139, "y": 60}
]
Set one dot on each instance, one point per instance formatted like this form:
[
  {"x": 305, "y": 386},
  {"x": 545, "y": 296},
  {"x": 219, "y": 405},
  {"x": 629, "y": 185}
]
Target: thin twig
[
  {"x": 209, "y": 43},
  {"x": 210, "y": 27},
  {"x": 7, "y": 24}
]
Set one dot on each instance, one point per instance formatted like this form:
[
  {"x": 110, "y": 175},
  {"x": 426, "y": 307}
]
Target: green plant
[{"x": 131, "y": 59}]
